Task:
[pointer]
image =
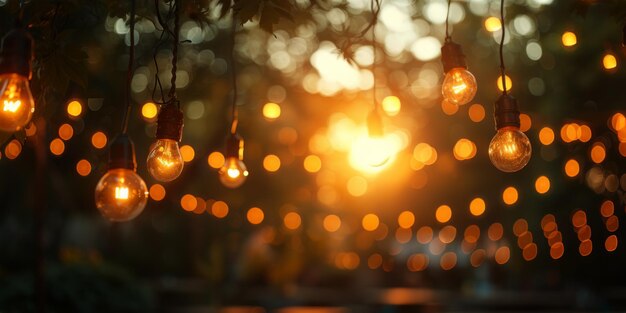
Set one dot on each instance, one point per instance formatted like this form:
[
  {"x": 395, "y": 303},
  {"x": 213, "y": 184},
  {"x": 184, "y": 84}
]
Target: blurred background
[{"x": 315, "y": 228}]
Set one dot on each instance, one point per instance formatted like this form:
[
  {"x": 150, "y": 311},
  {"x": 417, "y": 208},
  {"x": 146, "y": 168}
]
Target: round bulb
[
  {"x": 121, "y": 195},
  {"x": 510, "y": 149},
  {"x": 165, "y": 163},
  {"x": 459, "y": 86},
  {"x": 234, "y": 173},
  {"x": 16, "y": 102}
]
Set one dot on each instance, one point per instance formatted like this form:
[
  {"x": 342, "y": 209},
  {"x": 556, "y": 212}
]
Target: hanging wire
[
  {"x": 176, "y": 40},
  {"x": 166, "y": 33},
  {"x": 448, "y": 37},
  {"x": 375, "y": 8},
  {"x": 129, "y": 75},
  {"x": 502, "y": 69},
  {"x": 235, "y": 113}
]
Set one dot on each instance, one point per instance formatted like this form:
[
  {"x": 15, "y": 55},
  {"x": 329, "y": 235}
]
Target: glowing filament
[
  {"x": 121, "y": 193},
  {"x": 11, "y": 106},
  {"x": 459, "y": 88}
]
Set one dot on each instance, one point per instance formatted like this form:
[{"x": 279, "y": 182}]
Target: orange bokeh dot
[
  {"x": 448, "y": 261},
  {"x": 332, "y": 223},
  {"x": 476, "y": 113},
  {"x": 546, "y": 136},
  {"x": 503, "y": 254},
  {"x": 443, "y": 214},
  {"x": 572, "y": 168},
  {"x": 542, "y": 184},
  {"x": 188, "y": 202},
  {"x": 607, "y": 208},
  {"x": 187, "y": 153},
  {"x": 495, "y": 231},
  {"x": 271, "y": 163},
  {"x": 598, "y": 153},
  {"x": 557, "y": 250},
  {"x": 219, "y": 209},
  {"x": 424, "y": 235},
  {"x": 529, "y": 252},
  {"x": 66, "y": 131},
  {"x": 520, "y": 226},
  {"x": 83, "y": 167},
  {"x": 57, "y": 147},
  {"x": 510, "y": 195},
  {"x": 99, "y": 140},
  {"x": 525, "y": 122},
  {"x": 292, "y": 220},
  {"x": 216, "y": 160},
  {"x": 406, "y": 219},
  {"x": 477, "y": 206},
  {"x": 610, "y": 244},
  {"x": 370, "y": 222},
  {"x": 585, "y": 247},
  {"x": 255, "y": 216},
  {"x": 157, "y": 192}
]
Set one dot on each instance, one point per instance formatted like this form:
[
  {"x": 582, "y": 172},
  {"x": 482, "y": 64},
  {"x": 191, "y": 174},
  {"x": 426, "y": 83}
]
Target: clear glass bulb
[
  {"x": 165, "y": 163},
  {"x": 510, "y": 149},
  {"x": 16, "y": 102},
  {"x": 234, "y": 173},
  {"x": 121, "y": 195},
  {"x": 459, "y": 86}
]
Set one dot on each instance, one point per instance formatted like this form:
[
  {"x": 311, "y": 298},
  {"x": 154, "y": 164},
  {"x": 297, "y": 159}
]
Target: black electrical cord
[
  {"x": 129, "y": 75},
  {"x": 375, "y": 8},
  {"x": 448, "y": 37},
  {"x": 502, "y": 69},
  {"x": 235, "y": 114},
  {"x": 176, "y": 40},
  {"x": 165, "y": 33}
]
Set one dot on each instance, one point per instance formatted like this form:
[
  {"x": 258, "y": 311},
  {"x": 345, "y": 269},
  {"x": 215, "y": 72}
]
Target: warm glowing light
[
  {"x": 271, "y": 111},
  {"x": 610, "y": 244},
  {"x": 66, "y": 132},
  {"x": 525, "y": 122},
  {"x": 255, "y": 216},
  {"x": 391, "y": 105},
  {"x": 332, "y": 223},
  {"x": 271, "y": 163},
  {"x": 542, "y": 184},
  {"x": 520, "y": 227},
  {"x": 609, "y": 61},
  {"x": 83, "y": 167},
  {"x": 17, "y": 102},
  {"x": 443, "y": 214},
  {"x": 99, "y": 140},
  {"x": 292, "y": 220},
  {"x": 572, "y": 168},
  {"x": 121, "y": 195},
  {"x": 57, "y": 147},
  {"x": 509, "y": 195},
  {"x": 74, "y": 108},
  {"x": 476, "y": 113},
  {"x": 234, "y": 172},
  {"x": 503, "y": 254},
  {"x": 312, "y": 163},
  {"x": 493, "y": 24},
  {"x": 557, "y": 250},
  {"x": 417, "y": 262},
  {"x": 406, "y": 219},
  {"x": 598, "y": 153},
  {"x": 618, "y": 121},
  {"x": 13, "y": 149},
  {"x": 477, "y": 206},
  {"x": 219, "y": 209},
  {"x": 165, "y": 162},
  {"x": 509, "y": 150},
  {"x": 546, "y": 136},
  {"x": 370, "y": 222},
  {"x": 31, "y": 130},
  {"x": 424, "y": 235},
  {"x": 459, "y": 86},
  {"x": 495, "y": 231},
  {"x": 149, "y": 111},
  {"x": 508, "y": 81},
  {"x": 529, "y": 252},
  {"x": 157, "y": 192},
  {"x": 216, "y": 160},
  {"x": 425, "y": 154},
  {"x": 357, "y": 186},
  {"x": 448, "y": 107},
  {"x": 478, "y": 257},
  {"x": 188, "y": 153},
  {"x": 569, "y": 39},
  {"x": 188, "y": 202},
  {"x": 464, "y": 149},
  {"x": 372, "y": 154},
  {"x": 585, "y": 133}
]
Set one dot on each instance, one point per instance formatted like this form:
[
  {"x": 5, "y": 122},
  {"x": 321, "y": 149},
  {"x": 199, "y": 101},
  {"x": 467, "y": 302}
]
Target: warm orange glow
[
  {"x": 476, "y": 113},
  {"x": 609, "y": 61},
  {"x": 572, "y": 168},
  {"x": 459, "y": 86},
  {"x": 546, "y": 136},
  {"x": 493, "y": 24},
  {"x": 477, "y": 206},
  {"x": 448, "y": 107},
  {"x": 464, "y": 149},
  {"x": 292, "y": 220},
  {"x": 557, "y": 250},
  {"x": 57, "y": 147},
  {"x": 509, "y": 83},
  {"x": 370, "y": 222},
  {"x": 121, "y": 195},
  {"x": 17, "y": 102},
  {"x": 478, "y": 257},
  {"x": 472, "y": 233},
  {"x": 13, "y": 149},
  {"x": 618, "y": 121},
  {"x": 443, "y": 214},
  {"x": 157, "y": 192},
  {"x": 448, "y": 261},
  {"x": 424, "y": 235},
  {"x": 607, "y": 208},
  {"x": 255, "y": 216},
  {"x": 519, "y": 227},
  {"x": 403, "y": 235},
  {"x": 598, "y": 153},
  {"x": 375, "y": 261},
  {"x": 74, "y": 108},
  {"x": 447, "y": 234},
  {"x": 509, "y": 149},
  {"x": 525, "y": 122},
  {"x": 271, "y": 111},
  {"x": 187, "y": 152},
  {"x": 510, "y": 195},
  {"x": 417, "y": 262},
  {"x": 357, "y": 186},
  {"x": 332, "y": 223},
  {"x": 216, "y": 160},
  {"x": 524, "y": 239},
  {"x": 495, "y": 231},
  {"x": 372, "y": 154},
  {"x": 569, "y": 39},
  {"x": 579, "y": 219},
  {"x": 66, "y": 132},
  {"x": 585, "y": 133},
  {"x": 31, "y": 130},
  {"x": 271, "y": 163},
  {"x": 542, "y": 184},
  {"x": 529, "y": 252},
  {"x": 165, "y": 162},
  {"x": 219, "y": 209},
  {"x": 99, "y": 140},
  {"x": 425, "y": 154},
  {"x": 312, "y": 164},
  {"x": 188, "y": 202},
  {"x": 585, "y": 248},
  {"x": 83, "y": 167},
  {"x": 406, "y": 219},
  {"x": 391, "y": 105},
  {"x": 610, "y": 244},
  {"x": 234, "y": 172},
  {"x": 503, "y": 254},
  {"x": 149, "y": 111}
]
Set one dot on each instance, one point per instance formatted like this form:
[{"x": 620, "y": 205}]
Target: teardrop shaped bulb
[
  {"x": 234, "y": 173},
  {"x": 16, "y": 102},
  {"x": 165, "y": 163},
  {"x": 121, "y": 195},
  {"x": 510, "y": 149},
  {"x": 459, "y": 86}
]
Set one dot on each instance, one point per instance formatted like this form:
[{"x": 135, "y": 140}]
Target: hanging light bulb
[
  {"x": 510, "y": 149},
  {"x": 16, "y": 100},
  {"x": 375, "y": 151},
  {"x": 165, "y": 163},
  {"x": 234, "y": 172},
  {"x": 121, "y": 194},
  {"x": 459, "y": 85}
]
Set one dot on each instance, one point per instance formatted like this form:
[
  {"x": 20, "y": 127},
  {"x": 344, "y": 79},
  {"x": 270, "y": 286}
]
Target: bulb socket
[
  {"x": 374, "y": 124},
  {"x": 234, "y": 146},
  {"x": 16, "y": 54},
  {"x": 452, "y": 56},
  {"x": 122, "y": 153},
  {"x": 506, "y": 113},
  {"x": 170, "y": 122}
]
